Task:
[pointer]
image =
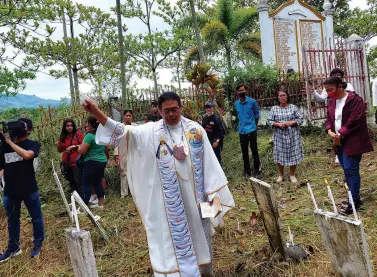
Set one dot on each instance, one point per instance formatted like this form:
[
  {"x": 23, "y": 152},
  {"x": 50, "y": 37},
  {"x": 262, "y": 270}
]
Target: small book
[{"x": 211, "y": 209}]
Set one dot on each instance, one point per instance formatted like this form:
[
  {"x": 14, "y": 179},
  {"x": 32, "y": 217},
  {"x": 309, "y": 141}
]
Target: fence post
[{"x": 81, "y": 253}]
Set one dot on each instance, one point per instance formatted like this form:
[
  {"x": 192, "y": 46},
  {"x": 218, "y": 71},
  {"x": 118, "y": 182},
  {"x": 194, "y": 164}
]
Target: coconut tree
[{"x": 232, "y": 30}]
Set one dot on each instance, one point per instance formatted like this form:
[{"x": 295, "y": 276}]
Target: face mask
[
  {"x": 242, "y": 95},
  {"x": 334, "y": 94}
]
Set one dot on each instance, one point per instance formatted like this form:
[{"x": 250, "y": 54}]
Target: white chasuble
[{"x": 167, "y": 191}]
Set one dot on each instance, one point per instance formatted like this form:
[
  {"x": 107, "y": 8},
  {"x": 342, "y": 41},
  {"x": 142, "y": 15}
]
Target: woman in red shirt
[{"x": 70, "y": 136}]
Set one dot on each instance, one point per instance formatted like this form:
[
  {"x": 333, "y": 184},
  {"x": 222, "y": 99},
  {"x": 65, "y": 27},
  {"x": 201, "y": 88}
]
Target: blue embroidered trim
[
  {"x": 117, "y": 134},
  {"x": 195, "y": 139},
  {"x": 177, "y": 219}
]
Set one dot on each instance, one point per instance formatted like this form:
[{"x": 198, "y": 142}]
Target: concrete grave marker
[
  {"x": 266, "y": 200},
  {"x": 81, "y": 253},
  {"x": 345, "y": 242},
  {"x": 344, "y": 239}
]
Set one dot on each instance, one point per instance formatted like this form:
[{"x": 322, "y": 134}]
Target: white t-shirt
[{"x": 338, "y": 113}]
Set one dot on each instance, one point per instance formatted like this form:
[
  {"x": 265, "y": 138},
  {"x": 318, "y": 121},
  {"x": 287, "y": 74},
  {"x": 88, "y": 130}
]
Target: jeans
[
  {"x": 12, "y": 207},
  {"x": 245, "y": 140},
  {"x": 351, "y": 168},
  {"x": 93, "y": 173}
]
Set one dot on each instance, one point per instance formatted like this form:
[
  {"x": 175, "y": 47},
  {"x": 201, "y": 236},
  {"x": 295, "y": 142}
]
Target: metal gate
[{"x": 318, "y": 63}]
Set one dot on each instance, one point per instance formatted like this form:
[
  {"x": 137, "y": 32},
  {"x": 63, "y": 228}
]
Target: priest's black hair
[{"x": 168, "y": 96}]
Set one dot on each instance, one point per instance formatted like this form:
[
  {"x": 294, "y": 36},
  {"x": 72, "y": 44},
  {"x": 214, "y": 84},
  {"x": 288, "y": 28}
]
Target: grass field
[{"x": 242, "y": 252}]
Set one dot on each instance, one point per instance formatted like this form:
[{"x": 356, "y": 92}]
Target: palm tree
[{"x": 232, "y": 30}]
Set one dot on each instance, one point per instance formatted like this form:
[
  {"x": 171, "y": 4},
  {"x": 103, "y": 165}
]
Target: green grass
[{"x": 242, "y": 252}]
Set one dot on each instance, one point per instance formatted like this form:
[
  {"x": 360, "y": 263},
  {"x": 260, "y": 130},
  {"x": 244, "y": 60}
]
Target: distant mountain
[{"x": 26, "y": 101}]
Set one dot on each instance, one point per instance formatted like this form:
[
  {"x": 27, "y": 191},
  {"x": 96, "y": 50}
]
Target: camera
[{"x": 16, "y": 129}]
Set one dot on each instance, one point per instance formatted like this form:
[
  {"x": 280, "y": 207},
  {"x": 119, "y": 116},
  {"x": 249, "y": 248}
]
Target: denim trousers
[
  {"x": 92, "y": 176},
  {"x": 12, "y": 207},
  {"x": 351, "y": 168}
]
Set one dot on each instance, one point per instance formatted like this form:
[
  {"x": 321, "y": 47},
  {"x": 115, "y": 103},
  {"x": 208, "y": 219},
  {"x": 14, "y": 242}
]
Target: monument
[{"x": 293, "y": 25}]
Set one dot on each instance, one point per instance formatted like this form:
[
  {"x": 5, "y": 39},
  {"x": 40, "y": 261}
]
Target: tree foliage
[
  {"x": 232, "y": 30},
  {"x": 13, "y": 81}
]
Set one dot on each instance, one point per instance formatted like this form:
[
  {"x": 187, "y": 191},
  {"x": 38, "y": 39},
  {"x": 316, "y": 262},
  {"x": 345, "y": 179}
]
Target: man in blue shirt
[{"x": 248, "y": 117}]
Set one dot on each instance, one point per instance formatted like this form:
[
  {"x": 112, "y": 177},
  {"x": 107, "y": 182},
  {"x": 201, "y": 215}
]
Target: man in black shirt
[
  {"x": 214, "y": 128},
  {"x": 16, "y": 158},
  {"x": 154, "y": 115}
]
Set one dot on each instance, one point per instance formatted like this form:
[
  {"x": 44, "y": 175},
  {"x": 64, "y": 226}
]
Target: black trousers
[
  {"x": 245, "y": 140},
  {"x": 217, "y": 151},
  {"x": 74, "y": 178}
]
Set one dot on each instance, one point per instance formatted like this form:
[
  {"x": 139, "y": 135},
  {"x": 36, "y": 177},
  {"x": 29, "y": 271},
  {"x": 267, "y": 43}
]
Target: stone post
[
  {"x": 329, "y": 24},
  {"x": 266, "y": 33},
  {"x": 81, "y": 252}
]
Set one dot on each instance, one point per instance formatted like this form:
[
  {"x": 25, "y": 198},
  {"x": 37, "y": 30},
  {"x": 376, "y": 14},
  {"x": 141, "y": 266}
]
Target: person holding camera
[
  {"x": 70, "y": 136},
  {"x": 17, "y": 156}
]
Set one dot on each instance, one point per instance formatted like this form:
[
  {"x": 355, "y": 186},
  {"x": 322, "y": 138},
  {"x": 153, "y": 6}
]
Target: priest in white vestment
[{"x": 174, "y": 169}]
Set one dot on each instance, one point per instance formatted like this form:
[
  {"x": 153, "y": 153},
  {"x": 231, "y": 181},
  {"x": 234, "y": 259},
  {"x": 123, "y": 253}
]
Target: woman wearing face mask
[
  {"x": 285, "y": 119},
  {"x": 346, "y": 125}
]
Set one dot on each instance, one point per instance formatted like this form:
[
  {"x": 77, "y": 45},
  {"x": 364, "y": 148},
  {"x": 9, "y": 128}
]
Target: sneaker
[
  {"x": 258, "y": 174},
  {"x": 247, "y": 175},
  {"x": 9, "y": 254},
  {"x": 348, "y": 209},
  {"x": 93, "y": 199},
  {"x": 36, "y": 251},
  {"x": 96, "y": 206},
  {"x": 293, "y": 179},
  {"x": 279, "y": 179},
  {"x": 336, "y": 159}
]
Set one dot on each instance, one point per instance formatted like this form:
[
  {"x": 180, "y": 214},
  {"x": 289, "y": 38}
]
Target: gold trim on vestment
[
  {"x": 202, "y": 264},
  {"x": 166, "y": 272},
  {"x": 212, "y": 192}
]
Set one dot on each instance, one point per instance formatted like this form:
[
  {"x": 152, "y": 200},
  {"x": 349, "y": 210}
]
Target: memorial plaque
[
  {"x": 312, "y": 38},
  {"x": 286, "y": 44}
]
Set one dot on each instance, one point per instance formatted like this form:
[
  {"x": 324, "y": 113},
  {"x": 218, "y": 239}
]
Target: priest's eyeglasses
[{"x": 168, "y": 111}]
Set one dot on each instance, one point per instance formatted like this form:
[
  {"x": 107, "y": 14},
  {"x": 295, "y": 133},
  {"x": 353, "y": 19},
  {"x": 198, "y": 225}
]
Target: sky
[{"x": 48, "y": 87}]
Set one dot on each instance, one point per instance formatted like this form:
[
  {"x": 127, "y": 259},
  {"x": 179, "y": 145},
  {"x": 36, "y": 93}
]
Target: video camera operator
[{"x": 16, "y": 158}]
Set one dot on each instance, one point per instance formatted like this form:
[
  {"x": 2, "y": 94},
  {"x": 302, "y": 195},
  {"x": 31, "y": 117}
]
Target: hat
[
  {"x": 28, "y": 122},
  {"x": 209, "y": 104}
]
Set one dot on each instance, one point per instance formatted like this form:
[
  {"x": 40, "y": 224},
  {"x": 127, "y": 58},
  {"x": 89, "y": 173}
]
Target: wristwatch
[{"x": 218, "y": 140}]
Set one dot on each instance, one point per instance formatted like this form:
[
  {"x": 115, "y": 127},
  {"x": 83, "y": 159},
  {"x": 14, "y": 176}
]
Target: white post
[
  {"x": 312, "y": 195},
  {"x": 81, "y": 253},
  {"x": 267, "y": 33},
  {"x": 329, "y": 24}
]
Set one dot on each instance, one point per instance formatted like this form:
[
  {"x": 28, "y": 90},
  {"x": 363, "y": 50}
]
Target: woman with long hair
[
  {"x": 95, "y": 161},
  {"x": 346, "y": 125},
  {"x": 70, "y": 136},
  {"x": 285, "y": 119}
]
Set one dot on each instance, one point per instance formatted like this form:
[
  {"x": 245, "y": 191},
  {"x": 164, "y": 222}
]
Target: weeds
[{"x": 243, "y": 252}]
